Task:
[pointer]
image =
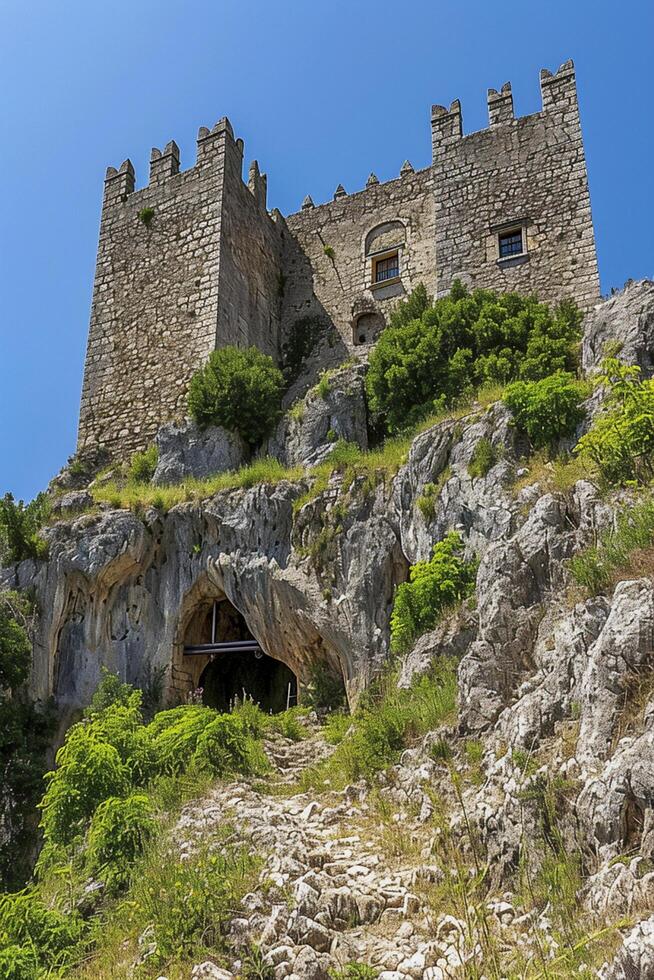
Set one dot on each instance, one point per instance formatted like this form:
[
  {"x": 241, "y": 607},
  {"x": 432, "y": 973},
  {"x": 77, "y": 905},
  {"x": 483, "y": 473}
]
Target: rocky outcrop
[
  {"x": 186, "y": 450},
  {"x": 332, "y": 411},
  {"x": 626, "y": 320}
]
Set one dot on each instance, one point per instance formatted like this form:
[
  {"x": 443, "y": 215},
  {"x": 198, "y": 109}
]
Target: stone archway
[{"x": 218, "y": 657}]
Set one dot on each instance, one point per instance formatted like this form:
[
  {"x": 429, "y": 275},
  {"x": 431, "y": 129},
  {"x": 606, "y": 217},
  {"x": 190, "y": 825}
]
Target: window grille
[
  {"x": 510, "y": 244},
  {"x": 387, "y": 268}
]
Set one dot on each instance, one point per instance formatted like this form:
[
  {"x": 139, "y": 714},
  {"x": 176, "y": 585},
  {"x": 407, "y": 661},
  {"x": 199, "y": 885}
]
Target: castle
[{"x": 195, "y": 261}]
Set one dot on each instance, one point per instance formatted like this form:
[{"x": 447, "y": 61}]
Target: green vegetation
[
  {"x": 385, "y": 722},
  {"x": 434, "y": 587},
  {"x": 433, "y": 352},
  {"x": 547, "y": 409},
  {"x": 146, "y": 215},
  {"x": 620, "y": 442},
  {"x": 619, "y": 551},
  {"x": 142, "y": 465},
  {"x": 329, "y": 252},
  {"x": 25, "y": 731},
  {"x": 325, "y": 690},
  {"x": 19, "y": 528},
  {"x": 240, "y": 389},
  {"x": 138, "y": 496},
  {"x": 354, "y": 971},
  {"x": 106, "y": 813},
  {"x": 484, "y": 457}
]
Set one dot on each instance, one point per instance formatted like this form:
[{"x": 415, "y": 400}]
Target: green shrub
[
  {"x": 175, "y": 734},
  {"x": 18, "y": 963},
  {"x": 621, "y": 440},
  {"x": 240, "y": 390},
  {"x": 40, "y": 933},
  {"x": 595, "y": 568},
  {"x": 434, "y": 586},
  {"x": 224, "y": 746},
  {"x": 548, "y": 409},
  {"x": 142, "y": 465},
  {"x": 19, "y": 528},
  {"x": 484, "y": 457},
  {"x": 354, "y": 971},
  {"x": 119, "y": 830},
  {"x": 89, "y": 770},
  {"x": 434, "y": 353},
  {"x": 146, "y": 215}
]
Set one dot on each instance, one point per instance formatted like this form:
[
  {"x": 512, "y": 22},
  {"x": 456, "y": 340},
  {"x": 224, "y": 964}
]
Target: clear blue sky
[{"x": 321, "y": 93}]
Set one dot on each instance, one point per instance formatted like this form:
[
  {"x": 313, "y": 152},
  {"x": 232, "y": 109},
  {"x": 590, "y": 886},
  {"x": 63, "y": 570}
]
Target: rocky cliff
[{"x": 554, "y": 684}]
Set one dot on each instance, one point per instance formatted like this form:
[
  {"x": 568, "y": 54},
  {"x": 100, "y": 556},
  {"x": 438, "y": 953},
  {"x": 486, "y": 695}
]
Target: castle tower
[{"x": 187, "y": 264}]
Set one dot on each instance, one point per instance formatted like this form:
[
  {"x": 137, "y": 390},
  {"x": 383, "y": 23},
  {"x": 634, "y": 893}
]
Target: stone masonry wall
[
  {"x": 160, "y": 302},
  {"x": 399, "y": 212},
  {"x": 528, "y": 172}
]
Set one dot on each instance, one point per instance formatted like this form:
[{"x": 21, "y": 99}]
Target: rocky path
[{"x": 331, "y": 893}]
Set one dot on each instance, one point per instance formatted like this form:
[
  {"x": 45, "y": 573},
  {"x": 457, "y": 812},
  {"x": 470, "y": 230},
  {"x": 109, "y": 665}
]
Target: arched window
[{"x": 384, "y": 246}]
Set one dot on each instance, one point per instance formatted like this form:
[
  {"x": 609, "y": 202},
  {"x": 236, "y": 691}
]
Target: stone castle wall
[
  {"x": 357, "y": 227},
  {"x": 528, "y": 172},
  {"x": 212, "y": 267}
]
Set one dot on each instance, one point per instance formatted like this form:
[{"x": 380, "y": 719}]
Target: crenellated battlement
[
  {"x": 558, "y": 92},
  {"x": 164, "y": 164}
]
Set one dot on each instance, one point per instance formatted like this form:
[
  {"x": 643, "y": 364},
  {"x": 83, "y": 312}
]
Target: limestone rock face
[
  {"x": 307, "y": 435},
  {"x": 515, "y": 578},
  {"x": 185, "y": 450},
  {"x": 434, "y": 491},
  {"x": 628, "y": 319},
  {"x": 635, "y": 958}
]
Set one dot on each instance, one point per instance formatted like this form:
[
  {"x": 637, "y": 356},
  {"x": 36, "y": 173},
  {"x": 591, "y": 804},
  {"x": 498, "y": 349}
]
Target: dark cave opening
[{"x": 238, "y": 667}]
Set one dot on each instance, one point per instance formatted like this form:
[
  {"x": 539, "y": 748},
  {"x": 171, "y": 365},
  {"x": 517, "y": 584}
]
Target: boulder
[
  {"x": 73, "y": 502},
  {"x": 628, "y": 319},
  {"x": 185, "y": 450}
]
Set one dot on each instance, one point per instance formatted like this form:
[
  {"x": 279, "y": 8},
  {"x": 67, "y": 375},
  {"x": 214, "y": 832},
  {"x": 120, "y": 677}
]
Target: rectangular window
[
  {"x": 510, "y": 243},
  {"x": 387, "y": 268}
]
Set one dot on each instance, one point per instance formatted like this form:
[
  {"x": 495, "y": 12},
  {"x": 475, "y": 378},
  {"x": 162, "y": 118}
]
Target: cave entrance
[{"x": 236, "y": 666}]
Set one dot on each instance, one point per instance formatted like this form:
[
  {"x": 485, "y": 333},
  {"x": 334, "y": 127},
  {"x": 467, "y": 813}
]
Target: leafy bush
[
  {"x": 18, "y": 963},
  {"x": 175, "y": 734},
  {"x": 142, "y": 465},
  {"x": 240, "y": 390},
  {"x": 119, "y": 830},
  {"x": 36, "y": 932},
  {"x": 225, "y": 747},
  {"x": 484, "y": 457},
  {"x": 354, "y": 971},
  {"x": 89, "y": 770},
  {"x": 433, "y": 353},
  {"x": 621, "y": 440},
  {"x": 433, "y": 587},
  {"x": 25, "y": 732},
  {"x": 548, "y": 409},
  {"x": 19, "y": 528}
]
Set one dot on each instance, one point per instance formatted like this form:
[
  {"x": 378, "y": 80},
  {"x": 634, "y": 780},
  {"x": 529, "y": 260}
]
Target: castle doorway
[{"x": 233, "y": 665}]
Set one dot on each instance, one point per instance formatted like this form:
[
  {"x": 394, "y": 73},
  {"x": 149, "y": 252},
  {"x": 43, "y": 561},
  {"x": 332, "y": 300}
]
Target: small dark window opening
[
  {"x": 387, "y": 268},
  {"x": 510, "y": 243}
]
